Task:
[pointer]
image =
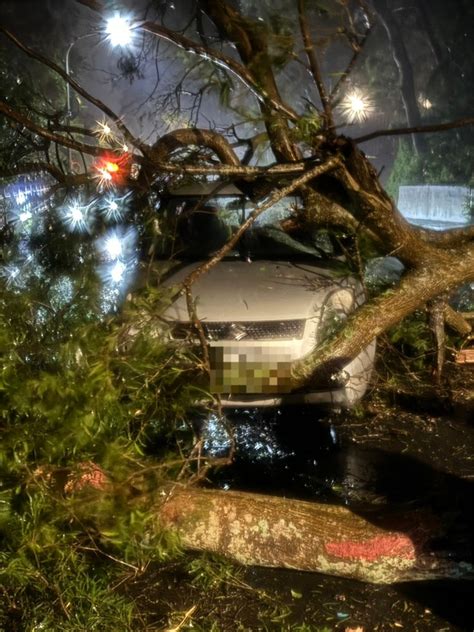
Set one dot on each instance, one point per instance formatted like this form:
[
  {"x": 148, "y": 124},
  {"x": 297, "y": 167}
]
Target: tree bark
[
  {"x": 251, "y": 43},
  {"x": 271, "y": 531}
]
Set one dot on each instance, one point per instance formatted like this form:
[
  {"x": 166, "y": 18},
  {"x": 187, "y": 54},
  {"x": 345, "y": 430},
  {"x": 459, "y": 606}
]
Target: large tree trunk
[{"x": 272, "y": 531}]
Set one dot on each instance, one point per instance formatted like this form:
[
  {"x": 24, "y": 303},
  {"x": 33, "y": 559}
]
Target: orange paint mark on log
[{"x": 394, "y": 545}]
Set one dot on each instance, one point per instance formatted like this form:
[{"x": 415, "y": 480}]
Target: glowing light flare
[
  {"x": 117, "y": 271},
  {"x": 106, "y": 171},
  {"x": 104, "y": 132},
  {"x": 104, "y": 179},
  {"x": 113, "y": 247},
  {"x": 116, "y": 275},
  {"x": 21, "y": 218},
  {"x": 23, "y": 205},
  {"x": 113, "y": 208},
  {"x": 11, "y": 273},
  {"x": 25, "y": 191},
  {"x": 356, "y": 107},
  {"x": 18, "y": 274},
  {"x": 119, "y": 31},
  {"x": 112, "y": 211},
  {"x": 425, "y": 102},
  {"x": 24, "y": 216},
  {"x": 77, "y": 216},
  {"x": 118, "y": 249},
  {"x": 118, "y": 243},
  {"x": 111, "y": 170},
  {"x": 28, "y": 219},
  {"x": 21, "y": 197}
]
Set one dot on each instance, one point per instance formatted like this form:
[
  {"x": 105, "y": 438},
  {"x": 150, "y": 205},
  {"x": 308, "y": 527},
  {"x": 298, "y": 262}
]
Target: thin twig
[
  {"x": 186, "y": 617},
  {"x": 420, "y": 129},
  {"x": 277, "y": 195},
  {"x": 349, "y": 68},
  {"x": 133, "y": 140},
  {"x": 314, "y": 64},
  {"x": 193, "y": 317}
]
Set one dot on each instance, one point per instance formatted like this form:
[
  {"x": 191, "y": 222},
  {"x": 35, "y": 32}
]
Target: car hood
[{"x": 261, "y": 290}]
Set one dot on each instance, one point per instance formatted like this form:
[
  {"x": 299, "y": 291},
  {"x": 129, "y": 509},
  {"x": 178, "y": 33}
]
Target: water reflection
[{"x": 285, "y": 451}]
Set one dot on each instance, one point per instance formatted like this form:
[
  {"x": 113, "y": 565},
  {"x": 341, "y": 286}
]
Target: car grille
[{"x": 250, "y": 330}]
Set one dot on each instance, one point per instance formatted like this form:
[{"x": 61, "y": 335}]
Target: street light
[
  {"x": 68, "y": 87},
  {"x": 357, "y": 106},
  {"x": 119, "y": 30}
]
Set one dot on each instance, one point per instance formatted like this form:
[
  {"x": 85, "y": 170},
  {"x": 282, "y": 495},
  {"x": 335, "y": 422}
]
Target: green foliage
[
  {"x": 82, "y": 397},
  {"x": 307, "y": 126},
  {"x": 406, "y": 168},
  {"x": 412, "y": 349},
  {"x": 412, "y": 337},
  {"x": 281, "y": 42},
  {"x": 210, "y": 571}
]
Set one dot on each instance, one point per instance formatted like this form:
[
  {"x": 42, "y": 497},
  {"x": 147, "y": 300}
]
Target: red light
[{"x": 111, "y": 169}]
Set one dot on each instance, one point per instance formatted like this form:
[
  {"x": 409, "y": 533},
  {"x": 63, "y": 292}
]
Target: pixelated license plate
[{"x": 261, "y": 370}]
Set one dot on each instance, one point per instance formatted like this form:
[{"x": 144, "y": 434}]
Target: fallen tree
[
  {"x": 340, "y": 188},
  {"x": 379, "y": 547},
  {"x": 344, "y": 192},
  {"x": 348, "y": 192}
]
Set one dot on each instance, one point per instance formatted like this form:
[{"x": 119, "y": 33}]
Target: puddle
[{"x": 276, "y": 451}]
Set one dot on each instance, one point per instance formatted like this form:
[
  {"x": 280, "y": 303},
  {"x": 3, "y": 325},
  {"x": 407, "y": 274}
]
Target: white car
[{"x": 264, "y": 306}]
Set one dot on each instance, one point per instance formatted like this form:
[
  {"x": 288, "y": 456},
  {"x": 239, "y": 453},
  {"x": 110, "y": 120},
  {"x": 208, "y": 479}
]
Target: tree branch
[
  {"x": 214, "y": 57},
  {"x": 420, "y": 129},
  {"x": 187, "y": 137},
  {"x": 375, "y": 210},
  {"x": 14, "y": 115},
  {"x": 314, "y": 64},
  {"x": 251, "y": 42},
  {"x": 456, "y": 321},
  {"x": 277, "y": 195},
  {"x": 63, "y": 74},
  {"x": 273, "y": 171},
  {"x": 445, "y": 238},
  {"x": 349, "y": 68},
  {"x": 73, "y": 129},
  {"x": 437, "y": 275},
  {"x": 223, "y": 61}
]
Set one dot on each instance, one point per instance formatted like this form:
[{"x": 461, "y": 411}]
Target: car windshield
[{"x": 193, "y": 228}]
